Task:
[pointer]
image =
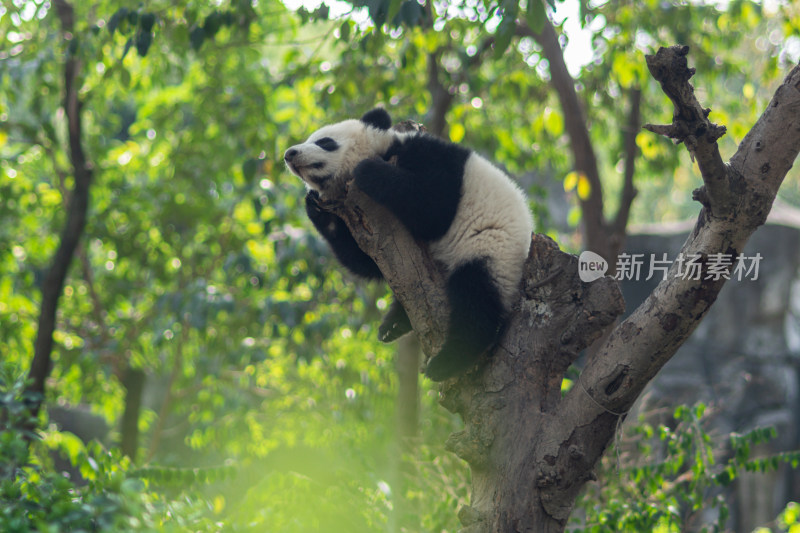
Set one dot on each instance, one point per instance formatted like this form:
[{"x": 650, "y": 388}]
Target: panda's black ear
[{"x": 377, "y": 118}]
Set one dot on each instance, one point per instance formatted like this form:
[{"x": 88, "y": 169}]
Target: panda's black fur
[{"x": 475, "y": 219}]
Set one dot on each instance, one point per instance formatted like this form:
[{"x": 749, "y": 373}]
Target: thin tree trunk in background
[
  {"x": 133, "y": 382},
  {"x": 77, "y": 210},
  {"x": 600, "y": 235},
  {"x": 408, "y": 359},
  {"x": 406, "y": 427}
]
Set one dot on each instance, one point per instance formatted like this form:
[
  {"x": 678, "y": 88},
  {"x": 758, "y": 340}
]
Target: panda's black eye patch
[{"x": 327, "y": 144}]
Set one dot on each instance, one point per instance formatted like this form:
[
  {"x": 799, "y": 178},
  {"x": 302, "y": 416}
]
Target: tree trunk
[{"x": 516, "y": 444}]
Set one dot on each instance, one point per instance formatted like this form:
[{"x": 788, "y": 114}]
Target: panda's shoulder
[{"x": 425, "y": 145}]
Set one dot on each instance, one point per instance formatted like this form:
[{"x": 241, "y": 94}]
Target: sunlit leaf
[
  {"x": 571, "y": 180},
  {"x": 553, "y": 122},
  {"x": 584, "y": 188},
  {"x": 457, "y": 132}
]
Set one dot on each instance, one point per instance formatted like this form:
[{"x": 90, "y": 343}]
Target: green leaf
[
  {"x": 128, "y": 46},
  {"x": 147, "y": 21},
  {"x": 143, "y": 41},
  {"x": 535, "y": 15},
  {"x": 411, "y": 13},
  {"x": 457, "y": 132},
  {"x": 115, "y": 19},
  {"x": 344, "y": 31},
  {"x": 503, "y": 36},
  {"x": 196, "y": 37},
  {"x": 249, "y": 169},
  {"x": 378, "y": 10},
  {"x": 553, "y": 122},
  {"x": 393, "y": 10},
  {"x": 322, "y": 12},
  {"x": 211, "y": 24}
]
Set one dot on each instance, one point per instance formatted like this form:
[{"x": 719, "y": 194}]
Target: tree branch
[
  {"x": 442, "y": 95},
  {"x": 76, "y": 218},
  {"x": 406, "y": 265}
]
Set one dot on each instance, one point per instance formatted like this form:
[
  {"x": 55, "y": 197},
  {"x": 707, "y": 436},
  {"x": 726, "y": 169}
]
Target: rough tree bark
[{"x": 530, "y": 449}]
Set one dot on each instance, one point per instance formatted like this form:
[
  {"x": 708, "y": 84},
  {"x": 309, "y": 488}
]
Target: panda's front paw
[
  {"x": 317, "y": 211},
  {"x": 314, "y": 205},
  {"x": 368, "y": 176}
]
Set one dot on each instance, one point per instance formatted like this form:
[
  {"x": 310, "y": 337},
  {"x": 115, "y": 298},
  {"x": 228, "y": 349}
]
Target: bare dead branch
[{"x": 690, "y": 124}]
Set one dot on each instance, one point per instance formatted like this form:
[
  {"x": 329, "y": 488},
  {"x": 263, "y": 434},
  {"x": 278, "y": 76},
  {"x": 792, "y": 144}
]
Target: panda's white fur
[
  {"x": 492, "y": 220},
  {"x": 474, "y": 217}
]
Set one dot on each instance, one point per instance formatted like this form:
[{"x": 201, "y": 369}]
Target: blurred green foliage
[
  {"x": 268, "y": 403},
  {"x": 670, "y": 477}
]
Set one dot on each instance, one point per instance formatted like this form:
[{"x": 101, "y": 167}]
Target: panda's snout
[{"x": 290, "y": 154}]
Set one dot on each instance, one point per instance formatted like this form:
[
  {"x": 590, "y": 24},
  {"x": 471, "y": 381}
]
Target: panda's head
[{"x": 327, "y": 159}]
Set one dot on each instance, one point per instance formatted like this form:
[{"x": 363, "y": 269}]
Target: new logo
[{"x": 591, "y": 266}]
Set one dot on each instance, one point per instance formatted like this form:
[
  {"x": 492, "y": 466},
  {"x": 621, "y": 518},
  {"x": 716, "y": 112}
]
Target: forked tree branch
[{"x": 737, "y": 199}]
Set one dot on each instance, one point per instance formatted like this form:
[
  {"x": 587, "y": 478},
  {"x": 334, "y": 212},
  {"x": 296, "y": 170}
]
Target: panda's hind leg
[
  {"x": 395, "y": 324},
  {"x": 477, "y": 315}
]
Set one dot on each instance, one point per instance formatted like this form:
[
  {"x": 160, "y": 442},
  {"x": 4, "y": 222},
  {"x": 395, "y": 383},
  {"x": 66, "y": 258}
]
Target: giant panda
[{"x": 474, "y": 218}]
